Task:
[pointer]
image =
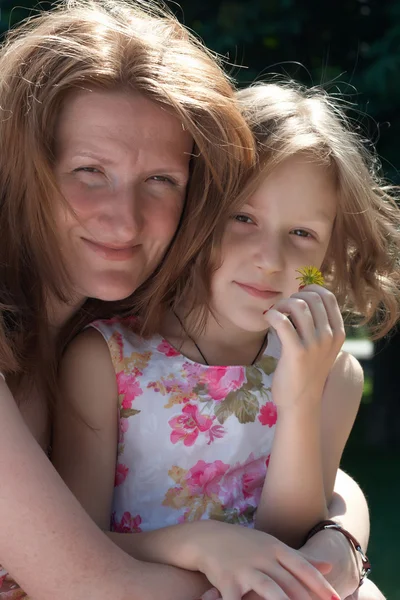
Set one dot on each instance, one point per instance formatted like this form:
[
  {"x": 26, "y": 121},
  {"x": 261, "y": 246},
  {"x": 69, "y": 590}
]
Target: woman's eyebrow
[{"x": 93, "y": 155}]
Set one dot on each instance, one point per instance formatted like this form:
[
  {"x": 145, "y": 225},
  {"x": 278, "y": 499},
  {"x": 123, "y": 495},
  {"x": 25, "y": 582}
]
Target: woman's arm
[{"x": 50, "y": 545}]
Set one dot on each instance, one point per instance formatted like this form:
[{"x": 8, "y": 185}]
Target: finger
[
  {"x": 231, "y": 591},
  {"x": 317, "y": 310},
  {"x": 269, "y": 589},
  {"x": 290, "y": 584},
  {"x": 331, "y": 307},
  {"x": 299, "y": 314},
  {"x": 322, "y": 566},
  {"x": 284, "y": 328},
  {"x": 212, "y": 594},
  {"x": 307, "y": 574}
]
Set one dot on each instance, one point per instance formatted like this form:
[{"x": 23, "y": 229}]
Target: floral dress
[
  {"x": 194, "y": 440},
  {"x": 9, "y": 589}
]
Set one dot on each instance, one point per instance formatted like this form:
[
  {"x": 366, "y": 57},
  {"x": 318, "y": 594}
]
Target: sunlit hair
[
  {"x": 362, "y": 263},
  {"x": 109, "y": 45}
]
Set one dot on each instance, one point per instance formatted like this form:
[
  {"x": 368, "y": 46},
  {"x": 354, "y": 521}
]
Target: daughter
[{"x": 235, "y": 402}]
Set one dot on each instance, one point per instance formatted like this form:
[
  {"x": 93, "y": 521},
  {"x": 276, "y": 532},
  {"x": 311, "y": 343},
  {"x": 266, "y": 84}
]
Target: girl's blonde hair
[
  {"x": 362, "y": 263},
  {"x": 109, "y": 45}
]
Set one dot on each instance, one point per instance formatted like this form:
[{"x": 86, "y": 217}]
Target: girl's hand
[
  {"x": 310, "y": 328},
  {"x": 368, "y": 591},
  {"x": 237, "y": 560}
]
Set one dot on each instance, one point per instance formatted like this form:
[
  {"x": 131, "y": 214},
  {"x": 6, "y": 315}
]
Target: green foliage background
[{"x": 352, "y": 47}]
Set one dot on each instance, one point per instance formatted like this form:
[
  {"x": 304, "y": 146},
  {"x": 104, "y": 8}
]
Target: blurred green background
[{"x": 351, "y": 47}]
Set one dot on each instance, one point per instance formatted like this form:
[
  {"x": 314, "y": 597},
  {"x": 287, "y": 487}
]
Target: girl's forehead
[{"x": 297, "y": 183}]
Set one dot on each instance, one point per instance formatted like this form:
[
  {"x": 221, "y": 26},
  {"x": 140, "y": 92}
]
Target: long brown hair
[
  {"x": 102, "y": 44},
  {"x": 362, "y": 266}
]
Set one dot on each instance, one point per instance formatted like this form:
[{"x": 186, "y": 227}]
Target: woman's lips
[
  {"x": 112, "y": 252},
  {"x": 257, "y": 292}
]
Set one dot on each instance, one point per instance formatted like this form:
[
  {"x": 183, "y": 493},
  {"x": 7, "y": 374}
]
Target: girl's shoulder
[{"x": 122, "y": 330}]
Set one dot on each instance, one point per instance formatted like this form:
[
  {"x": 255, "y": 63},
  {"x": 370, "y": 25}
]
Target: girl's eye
[
  {"x": 301, "y": 233},
  {"x": 242, "y": 219}
]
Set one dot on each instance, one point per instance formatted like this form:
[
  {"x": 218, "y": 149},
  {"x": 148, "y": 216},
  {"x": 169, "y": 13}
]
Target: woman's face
[{"x": 122, "y": 164}]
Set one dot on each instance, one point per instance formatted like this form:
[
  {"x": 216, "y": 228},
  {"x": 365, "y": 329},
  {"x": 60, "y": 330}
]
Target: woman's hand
[
  {"x": 368, "y": 591},
  {"x": 237, "y": 560},
  {"x": 310, "y": 328}
]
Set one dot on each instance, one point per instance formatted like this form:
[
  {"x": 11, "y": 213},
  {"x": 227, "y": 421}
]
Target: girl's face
[
  {"x": 287, "y": 224},
  {"x": 122, "y": 164}
]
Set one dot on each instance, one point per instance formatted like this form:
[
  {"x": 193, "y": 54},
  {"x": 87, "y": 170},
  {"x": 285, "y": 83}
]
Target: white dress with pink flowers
[{"x": 194, "y": 440}]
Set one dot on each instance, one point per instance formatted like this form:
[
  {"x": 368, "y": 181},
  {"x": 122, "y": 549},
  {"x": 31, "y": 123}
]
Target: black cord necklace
[{"x": 200, "y": 352}]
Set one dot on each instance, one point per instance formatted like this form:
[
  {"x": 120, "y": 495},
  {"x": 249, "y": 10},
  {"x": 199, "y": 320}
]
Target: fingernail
[
  {"x": 265, "y": 311},
  {"x": 301, "y": 287},
  {"x": 335, "y": 597}
]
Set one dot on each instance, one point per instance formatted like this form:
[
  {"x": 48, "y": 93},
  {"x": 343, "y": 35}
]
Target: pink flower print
[
  {"x": 242, "y": 485},
  {"x": 129, "y": 388},
  {"x": 123, "y": 428},
  {"x": 128, "y": 524},
  {"x": 167, "y": 349},
  {"x": 216, "y": 431},
  {"x": 268, "y": 414},
  {"x": 205, "y": 478},
  {"x": 186, "y": 426},
  {"x": 222, "y": 380},
  {"x": 193, "y": 372},
  {"x": 121, "y": 474}
]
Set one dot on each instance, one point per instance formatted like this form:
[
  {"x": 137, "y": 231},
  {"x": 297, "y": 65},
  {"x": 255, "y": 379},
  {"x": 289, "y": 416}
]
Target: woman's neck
[
  {"x": 220, "y": 343},
  {"x": 58, "y": 312}
]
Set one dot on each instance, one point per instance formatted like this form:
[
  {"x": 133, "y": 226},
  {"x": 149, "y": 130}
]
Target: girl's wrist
[{"x": 331, "y": 546}]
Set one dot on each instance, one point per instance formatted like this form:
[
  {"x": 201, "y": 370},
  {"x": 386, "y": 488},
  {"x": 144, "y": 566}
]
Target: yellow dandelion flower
[{"x": 309, "y": 275}]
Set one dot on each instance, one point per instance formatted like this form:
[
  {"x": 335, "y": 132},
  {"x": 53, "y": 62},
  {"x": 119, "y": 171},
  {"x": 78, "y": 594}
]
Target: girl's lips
[
  {"x": 253, "y": 291},
  {"x": 111, "y": 253}
]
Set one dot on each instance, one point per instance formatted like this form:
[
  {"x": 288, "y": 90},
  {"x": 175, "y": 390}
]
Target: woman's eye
[
  {"x": 301, "y": 233},
  {"x": 162, "y": 179},
  {"x": 89, "y": 170},
  {"x": 242, "y": 219}
]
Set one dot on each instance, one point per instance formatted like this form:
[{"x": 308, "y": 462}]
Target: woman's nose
[{"x": 122, "y": 216}]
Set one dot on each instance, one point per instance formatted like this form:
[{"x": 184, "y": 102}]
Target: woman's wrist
[{"x": 331, "y": 546}]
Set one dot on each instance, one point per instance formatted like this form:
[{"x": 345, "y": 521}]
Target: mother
[{"x": 115, "y": 125}]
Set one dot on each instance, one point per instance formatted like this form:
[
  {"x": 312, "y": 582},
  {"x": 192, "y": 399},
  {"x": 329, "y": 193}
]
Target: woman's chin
[{"x": 112, "y": 289}]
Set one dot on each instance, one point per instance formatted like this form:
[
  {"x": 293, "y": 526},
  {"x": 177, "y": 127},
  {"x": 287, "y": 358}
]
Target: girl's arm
[
  {"x": 50, "y": 545},
  {"x": 317, "y": 405},
  {"x": 235, "y": 559}
]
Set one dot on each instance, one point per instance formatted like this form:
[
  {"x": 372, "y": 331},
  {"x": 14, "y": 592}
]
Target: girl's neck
[{"x": 220, "y": 343}]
